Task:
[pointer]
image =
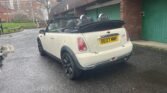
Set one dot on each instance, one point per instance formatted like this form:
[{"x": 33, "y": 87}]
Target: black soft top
[
  {"x": 89, "y": 26},
  {"x": 101, "y": 25}
]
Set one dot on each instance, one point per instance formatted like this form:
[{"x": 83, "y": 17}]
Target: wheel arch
[{"x": 67, "y": 49}]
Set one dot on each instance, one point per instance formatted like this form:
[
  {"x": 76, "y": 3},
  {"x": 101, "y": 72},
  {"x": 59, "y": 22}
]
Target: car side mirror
[{"x": 42, "y": 32}]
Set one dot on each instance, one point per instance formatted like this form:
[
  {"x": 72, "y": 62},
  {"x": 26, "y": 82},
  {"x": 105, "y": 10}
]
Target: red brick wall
[
  {"x": 4, "y": 17},
  {"x": 131, "y": 14},
  {"x": 5, "y": 14}
]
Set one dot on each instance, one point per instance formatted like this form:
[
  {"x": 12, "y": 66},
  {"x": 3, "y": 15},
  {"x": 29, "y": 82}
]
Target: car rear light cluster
[{"x": 81, "y": 45}]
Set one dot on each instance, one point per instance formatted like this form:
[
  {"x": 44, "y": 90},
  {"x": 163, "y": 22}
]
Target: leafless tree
[{"x": 47, "y": 5}]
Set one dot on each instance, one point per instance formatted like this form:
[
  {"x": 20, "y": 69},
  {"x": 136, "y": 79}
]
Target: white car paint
[{"x": 95, "y": 54}]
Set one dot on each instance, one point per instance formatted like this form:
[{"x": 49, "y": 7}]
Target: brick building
[
  {"x": 145, "y": 19},
  {"x": 5, "y": 14}
]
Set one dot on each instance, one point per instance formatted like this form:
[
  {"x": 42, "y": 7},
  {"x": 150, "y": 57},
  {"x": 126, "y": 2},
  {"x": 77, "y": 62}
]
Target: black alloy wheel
[
  {"x": 40, "y": 48},
  {"x": 71, "y": 71}
]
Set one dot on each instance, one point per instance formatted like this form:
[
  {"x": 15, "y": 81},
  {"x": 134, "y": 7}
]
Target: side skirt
[{"x": 52, "y": 56}]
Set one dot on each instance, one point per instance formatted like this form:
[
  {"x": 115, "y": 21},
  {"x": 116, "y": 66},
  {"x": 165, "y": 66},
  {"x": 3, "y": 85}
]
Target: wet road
[{"x": 25, "y": 71}]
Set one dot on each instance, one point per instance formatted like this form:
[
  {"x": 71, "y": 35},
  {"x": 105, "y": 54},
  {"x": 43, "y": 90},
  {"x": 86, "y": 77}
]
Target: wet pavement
[{"x": 25, "y": 71}]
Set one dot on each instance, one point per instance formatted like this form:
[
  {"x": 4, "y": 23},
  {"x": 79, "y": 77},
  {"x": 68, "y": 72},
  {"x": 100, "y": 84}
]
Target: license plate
[{"x": 109, "y": 39}]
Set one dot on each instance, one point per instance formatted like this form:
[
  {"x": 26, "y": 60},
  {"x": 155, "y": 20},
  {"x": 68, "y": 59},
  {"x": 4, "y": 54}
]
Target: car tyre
[
  {"x": 40, "y": 48},
  {"x": 71, "y": 70}
]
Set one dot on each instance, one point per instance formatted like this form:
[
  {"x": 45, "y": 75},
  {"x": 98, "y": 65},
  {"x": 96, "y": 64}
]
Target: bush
[{"x": 15, "y": 27}]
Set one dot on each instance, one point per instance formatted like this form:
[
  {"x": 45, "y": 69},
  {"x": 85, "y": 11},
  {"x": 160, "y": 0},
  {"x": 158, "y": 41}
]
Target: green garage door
[
  {"x": 113, "y": 12},
  {"x": 155, "y": 20},
  {"x": 93, "y": 14}
]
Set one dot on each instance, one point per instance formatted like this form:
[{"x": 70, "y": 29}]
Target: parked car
[{"x": 81, "y": 44}]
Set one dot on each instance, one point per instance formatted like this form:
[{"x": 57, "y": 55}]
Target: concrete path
[
  {"x": 25, "y": 71},
  {"x": 151, "y": 44}
]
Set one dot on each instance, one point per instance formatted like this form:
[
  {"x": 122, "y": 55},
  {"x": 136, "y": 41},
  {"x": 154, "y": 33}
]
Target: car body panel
[
  {"x": 92, "y": 39},
  {"x": 102, "y": 46},
  {"x": 92, "y": 59}
]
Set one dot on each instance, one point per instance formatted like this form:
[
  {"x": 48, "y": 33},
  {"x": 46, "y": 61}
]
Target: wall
[
  {"x": 5, "y": 14},
  {"x": 77, "y": 3},
  {"x": 131, "y": 14},
  {"x": 62, "y": 7}
]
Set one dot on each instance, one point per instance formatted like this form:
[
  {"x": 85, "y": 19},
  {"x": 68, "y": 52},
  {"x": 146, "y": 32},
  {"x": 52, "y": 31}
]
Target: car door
[
  {"x": 52, "y": 39},
  {"x": 44, "y": 39}
]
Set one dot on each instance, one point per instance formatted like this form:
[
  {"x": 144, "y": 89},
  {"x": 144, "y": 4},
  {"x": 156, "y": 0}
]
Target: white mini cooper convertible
[{"x": 81, "y": 44}]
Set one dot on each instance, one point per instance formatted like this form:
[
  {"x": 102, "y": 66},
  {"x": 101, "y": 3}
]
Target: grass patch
[{"x": 15, "y": 27}]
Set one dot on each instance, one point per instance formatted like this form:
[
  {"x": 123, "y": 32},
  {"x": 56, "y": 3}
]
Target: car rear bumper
[{"x": 91, "y": 60}]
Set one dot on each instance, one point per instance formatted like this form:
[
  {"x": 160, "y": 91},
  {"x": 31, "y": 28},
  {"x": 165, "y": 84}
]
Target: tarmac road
[{"x": 25, "y": 71}]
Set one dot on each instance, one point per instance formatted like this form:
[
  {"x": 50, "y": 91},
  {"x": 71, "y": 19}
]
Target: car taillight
[
  {"x": 127, "y": 36},
  {"x": 81, "y": 44}
]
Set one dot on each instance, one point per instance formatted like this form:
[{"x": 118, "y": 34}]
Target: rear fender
[{"x": 68, "y": 50}]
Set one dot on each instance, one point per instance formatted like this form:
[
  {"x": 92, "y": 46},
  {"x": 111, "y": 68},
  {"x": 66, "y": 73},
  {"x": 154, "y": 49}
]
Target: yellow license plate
[{"x": 110, "y": 39}]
